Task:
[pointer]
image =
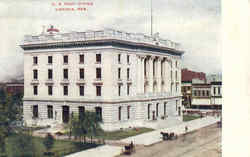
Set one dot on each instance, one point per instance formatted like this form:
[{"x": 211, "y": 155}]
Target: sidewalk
[
  {"x": 102, "y": 151},
  {"x": 155, "y": 136}
]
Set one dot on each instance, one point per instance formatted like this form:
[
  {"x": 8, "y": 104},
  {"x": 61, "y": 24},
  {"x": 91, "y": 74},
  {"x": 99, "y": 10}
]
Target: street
[{"x": 205, "y": 142}]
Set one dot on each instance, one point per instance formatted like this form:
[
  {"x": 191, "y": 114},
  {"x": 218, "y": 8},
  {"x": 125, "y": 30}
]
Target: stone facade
[{"x": 139, "y": 82}]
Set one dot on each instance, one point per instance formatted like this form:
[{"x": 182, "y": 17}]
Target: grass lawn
[
  {"x": 60, "y": 148},
  {"x": 190, "y": 117},
  {"x": 120, "y": 134}
]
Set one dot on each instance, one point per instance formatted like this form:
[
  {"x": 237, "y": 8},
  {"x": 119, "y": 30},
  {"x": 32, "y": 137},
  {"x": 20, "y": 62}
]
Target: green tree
[
  {"x": 9, "y": 112},
  {"x": 48, "y": 142},
  {"x": 21, "y": 145}
]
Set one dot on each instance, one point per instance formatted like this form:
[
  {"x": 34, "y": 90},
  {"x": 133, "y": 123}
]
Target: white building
[{"x": 127, "y": 79}]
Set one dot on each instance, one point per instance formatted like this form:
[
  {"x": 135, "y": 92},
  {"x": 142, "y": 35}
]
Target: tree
[
  {"x": 48, "y": 142},
  {"x": 21, "y": 145},
  {"x": 85, "y": 125},
  {"x": 9, "y": 112}
]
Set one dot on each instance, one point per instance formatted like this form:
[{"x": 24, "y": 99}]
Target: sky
[{"x": 195, "y": 24}]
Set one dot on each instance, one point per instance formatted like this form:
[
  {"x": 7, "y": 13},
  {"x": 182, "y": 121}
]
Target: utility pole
[{"x": 151, "y": 21}]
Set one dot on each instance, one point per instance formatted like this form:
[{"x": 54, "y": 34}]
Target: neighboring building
[
  {"x": 201, "y": 96},
  {"x": 14, "y": 88},
  {"x": 216, "y": 94},
  {"x": 126, "y": 78},
  {"x": 189, "y": 77}
]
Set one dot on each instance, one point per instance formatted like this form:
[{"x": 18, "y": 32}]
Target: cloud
[{"x": 193, "y": 23}]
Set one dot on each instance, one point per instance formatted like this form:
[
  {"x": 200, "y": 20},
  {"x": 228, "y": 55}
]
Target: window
[
  {"x": 98, "y": 111},
  {"x": 119, "y": 90},
  {"x": 214, "y": 90},
  {"x": 65, "y": 74},
  {"x": 35, "y": 74},
  {"x": 35, "y": 60},
  {"x": 176, "y": 105},
  {"x": 50, "y": 74},
  {"x": 81, "y": 73},
  {"x": 81, "y": 59},
  {"x": 50, "y": 60},
  {"x": 35, "y": 90},
  {"x": 128, "y": 74},
  {"x": 219, "y": 90},
  {"x": 119, "y": 58},
  {"x": 176, "y": 64},
  {"x": 98, "y": 90},
  {"x": 176, "y": 78},
  {"x": 98, "y": 58},
  {"x": 98, "y": 73},
  {"x": 195, "y": 93},
  {"x": 50, "y": 90},
  {"x": 81, "y": 112},
  {"x": 65, "y": 90},
  {"x": 157, "y": 109},
  {"x": 128, "y": 111},
  {"x": 128, "y": 89},
  {"x": 35, "y": 111},
  {"x": 128, "y": 59},
  {"x": 119, "y": 113},
  {"x": 208, "y": 93},
  {"x": 50, "y": 111},
  {"x": 119, "y": 73},
  {"x": 165, "y": 108},
  {"x": 65, "y": 59},
  {"x": 81, "y": 90},
  {"x": 203, "y": 93}
]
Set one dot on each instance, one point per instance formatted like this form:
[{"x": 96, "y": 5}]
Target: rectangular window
[
  {"x": 98, "y": 111},
  {"x": 119, "y": 113},
  {"x": 214, "y": 90},
  {"x": 128, "y": 110},
  {"x": 176, "y": 64},
  {"x": 35, "y": 90},
  {"x": 81, "y": 112},
  {"x": 208, "y": 93},
  {"x": 119, "y": 73},
  {"x": 127, "y": 73},
  {"x": 203, "y": 93},
  {"x": 128, "y": 89},
  {"x": 50, "y": 74},
  {"x": 219, "y": 90},
  {"x": 65, "y": 90},
  {"x": 195, "y": 93},
  {"x": 119, "y": 58},
  {"x": 50, "y": 111},
  {"x": 81, "y": 59},
  {"x": 35, "y": 60},
  {"x": 50, "y": 60},
  {"x": 98, "y": 73},
  {"x": 98, "y": 58},
  {"x": 176, "y": 77},
  {"x": 65, "y": 59},
  {"x": 98, "y": 90},
  {"x": 119, "y": 90},
  {"x": 35, "y": 74},
  {"x": 81, "y": 73},
  {"x": 128, "y": 59},
  {"x": 65, "y": 74},
  {"x": 35, "y": 111},
  {"x": 50, "y": 90},
  {"x": 81, "y": 88}
]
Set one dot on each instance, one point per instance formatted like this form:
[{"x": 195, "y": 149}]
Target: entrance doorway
[{"x": 65, "y": 114}]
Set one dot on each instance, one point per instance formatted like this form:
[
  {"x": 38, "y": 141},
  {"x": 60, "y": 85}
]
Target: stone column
[
  {"x": 150, "y": 74},
  {"x": 138, "y": 75},
  {"x": 158, "y": 75},
  {"x": 142, "y": 74}
]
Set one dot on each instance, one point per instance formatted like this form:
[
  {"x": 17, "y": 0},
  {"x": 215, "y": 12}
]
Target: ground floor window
[
  {"x": 98, "y": 111},
  {"x": 81, "y": 112},
  {"x": 165, "y": 108},
  {"x": 128, "y": 108},
  {"x": 35, "y": 111},
  {"x": 119, "y": 113},
  {"x": 148, "y": 111},
  {"x": 157, "y": 111},
  {"x": 50, "y": 111}
]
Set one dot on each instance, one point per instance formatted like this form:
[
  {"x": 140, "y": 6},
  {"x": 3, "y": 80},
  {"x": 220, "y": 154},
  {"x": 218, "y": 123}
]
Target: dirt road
[{"x": 205, "y": 142}]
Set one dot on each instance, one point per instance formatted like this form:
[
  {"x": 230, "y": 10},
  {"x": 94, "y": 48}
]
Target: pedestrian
[{"x": 186, "y": 129}]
